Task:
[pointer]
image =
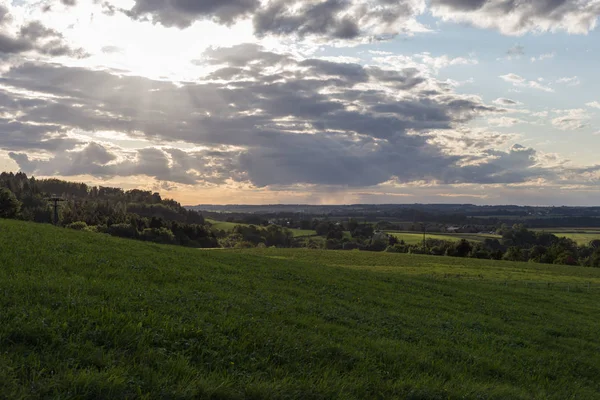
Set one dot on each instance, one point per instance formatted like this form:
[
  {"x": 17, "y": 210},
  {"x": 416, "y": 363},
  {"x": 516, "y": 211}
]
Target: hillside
[{"x": 86, "y": 315}]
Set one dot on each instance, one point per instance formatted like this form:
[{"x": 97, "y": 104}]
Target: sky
[{"x": 307, "y": 101}]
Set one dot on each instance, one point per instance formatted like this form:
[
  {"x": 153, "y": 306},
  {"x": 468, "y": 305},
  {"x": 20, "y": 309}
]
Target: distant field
[
  {"x": 580, "y": 235},
  {"x": 228, "y": 226},
  {"x": 415, "y": 238},
  {"x": 221, "y": 225},
  {"x": 89, "y": 316}
]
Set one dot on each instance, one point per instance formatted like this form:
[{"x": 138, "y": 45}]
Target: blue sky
[{"x": 303, "y": 101}]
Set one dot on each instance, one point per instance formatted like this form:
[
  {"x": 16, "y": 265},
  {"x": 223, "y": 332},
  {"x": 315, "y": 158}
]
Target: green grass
[
  {"x": 222, "y": 225},
  {"x": 416, "y": 238},
  {"x": 87, "y": 316},
  {"x": 228, "y": 227},
  {"x": 582, "y": 236}
]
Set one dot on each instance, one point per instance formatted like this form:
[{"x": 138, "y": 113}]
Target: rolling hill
[{"x": 85, "y": 315}]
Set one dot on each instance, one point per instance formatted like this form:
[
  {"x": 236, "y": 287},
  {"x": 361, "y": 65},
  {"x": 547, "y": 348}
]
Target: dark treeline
[
  {"x": 400, "y": 214},
  {"x": 135, "y": 214}
]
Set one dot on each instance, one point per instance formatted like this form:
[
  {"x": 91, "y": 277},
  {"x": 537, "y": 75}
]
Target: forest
[{"x": 135, "y": 214}]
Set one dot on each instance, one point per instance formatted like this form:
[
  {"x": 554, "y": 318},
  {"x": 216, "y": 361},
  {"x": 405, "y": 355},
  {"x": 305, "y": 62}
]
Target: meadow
[
  {"x": 228, "y": 227},
  {"x": 582, "y": 236},
  {"x": 88, "y": 316},
  {"x": 416, "y": 238}
]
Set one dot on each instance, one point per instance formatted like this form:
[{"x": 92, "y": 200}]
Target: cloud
[
  {"x": 543, "y": 57},
  {"x": 323, "y": 19},
  {"x": 425, "y": 62},
  {"x": 33, "y": 37},
  {"x": 593, "y": 104},
  {"x": 504, "y": 102},
  {"x": 521, "y": 17},
  {"x": 351, "y": 19},
  {"x": 515, "y": 51},
  {"x": 338, "y": 19},
  {"x": 182, "y": 14},
  {"x": 569, "y": 81},
  {"x": 519, "y": 81},
  {"x": 569, "y": 120},
  {"x": 260, "y": 118},
  {"x": 504, "y": 121}
]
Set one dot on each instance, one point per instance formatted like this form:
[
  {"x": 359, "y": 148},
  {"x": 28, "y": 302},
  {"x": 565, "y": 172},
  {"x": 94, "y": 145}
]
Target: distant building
[{"x": 452, "y": 229}]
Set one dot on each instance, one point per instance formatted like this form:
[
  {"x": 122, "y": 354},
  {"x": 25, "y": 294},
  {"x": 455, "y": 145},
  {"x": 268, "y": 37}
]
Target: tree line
[{"x": 135, "y": 214}]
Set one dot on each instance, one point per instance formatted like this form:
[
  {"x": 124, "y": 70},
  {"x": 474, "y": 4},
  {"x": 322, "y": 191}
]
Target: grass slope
[{"x": 89, "y": 316}]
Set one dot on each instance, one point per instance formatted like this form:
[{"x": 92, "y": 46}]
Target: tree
[{"x": 9, "y": 205}]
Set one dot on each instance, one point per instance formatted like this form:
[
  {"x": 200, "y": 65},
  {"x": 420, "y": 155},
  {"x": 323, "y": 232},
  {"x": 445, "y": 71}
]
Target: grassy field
[
  {"x": 228, "y": 226},
  {"x": 582, "y": 236},
  {"x": 415, "y": 238},
  {"x": 88, "y": 316}
]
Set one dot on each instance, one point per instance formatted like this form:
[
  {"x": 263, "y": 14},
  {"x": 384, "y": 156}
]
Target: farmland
[
  {"x": 86, "y": 315},
  {"x": 228, "y": 227},
  {"x": 580, "y": 235},
  {"x": 415, "y": 238}
]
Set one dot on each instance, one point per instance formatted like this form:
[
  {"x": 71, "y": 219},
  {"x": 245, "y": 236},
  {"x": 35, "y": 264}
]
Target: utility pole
[{"x": 55, "y": 200}]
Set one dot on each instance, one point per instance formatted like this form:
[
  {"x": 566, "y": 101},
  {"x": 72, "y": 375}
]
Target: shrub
[
  {"x": 9, "y": 205},
  {"x": 123, "y": 230},
  {"x": 158, "y": 235},
  {"x": 78, "y": 226}
]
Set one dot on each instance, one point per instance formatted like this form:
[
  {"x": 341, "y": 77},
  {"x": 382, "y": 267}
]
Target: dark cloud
[
  {"x": 310, "y": 121},
  {"x": 34, "y": 36},
  {"x": 324, "y": 19},
  {"x": 182, "y": 13},
  {"x": 374, "y": 19},
  {"x": 332, "y": 19}
]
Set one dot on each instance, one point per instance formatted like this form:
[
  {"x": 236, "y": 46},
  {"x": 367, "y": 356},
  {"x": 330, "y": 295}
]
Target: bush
[
  {"x": 78, "y": 226},
  {"x": 244, "y": 245},
  {"x": 565, "y": 259},
  {"x": 333, "y": 244},
  {"x": 9, "y": 205},
  {"x": 350, "y": 246},
  {"x": 397, "y": 248},
  {"x": 158, "y": 235},
  {"x": 123, "y": 230}
]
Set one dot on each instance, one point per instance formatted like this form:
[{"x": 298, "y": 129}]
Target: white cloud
[
  {"x": 519, "y": 81},
  {"x": 504, "y": 121},
  {"x": 542, "y": 57},
  {"x": 570, "y": 120},
  {"x": 433, "y": 64},
  {"x": 593, "y": 104},
  {"x": 521, "y": 17},
  {"x": 569, "y": 81},
  {"x": 504, "y": 102}
]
